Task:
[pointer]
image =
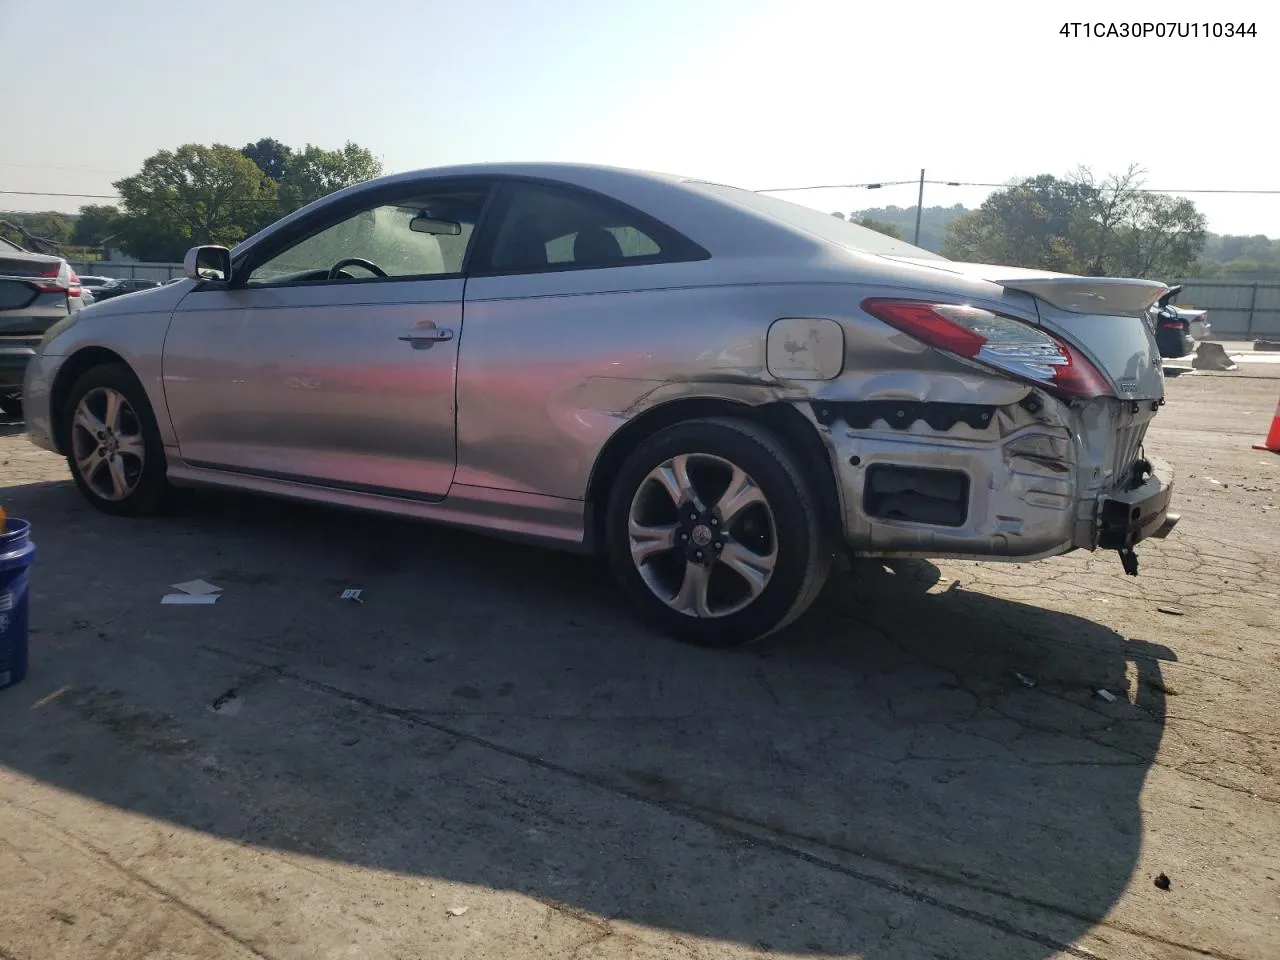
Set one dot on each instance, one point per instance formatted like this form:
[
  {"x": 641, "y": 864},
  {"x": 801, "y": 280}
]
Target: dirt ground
[{"x": 491, "y": 759}]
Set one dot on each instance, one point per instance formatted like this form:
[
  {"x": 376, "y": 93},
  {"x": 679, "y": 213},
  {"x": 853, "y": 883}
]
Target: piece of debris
[
  {"x": 351, "y": 593},
  {"x": 197, "y": 588},
  {"x": 1106, "y": 695},
  {"x": 1212, "y": 356},
  {"x": 1216, "y": 483},
  {"x": 222, "y": 699},
  {"x": 895, "y": 920},
  {"x": 1172, "y": 611},
  {"x": 1025, "y": 680},
  {"x": 459, "y": 911},
  {"x": 190, "y": 599},
  {"x": 1162, "y": 882}
]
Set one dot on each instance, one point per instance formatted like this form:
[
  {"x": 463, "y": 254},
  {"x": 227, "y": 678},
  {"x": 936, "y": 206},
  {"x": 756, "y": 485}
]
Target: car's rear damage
[
  {"x": 1027, "y": 440},
  {"x": 1020, "y": 481}
]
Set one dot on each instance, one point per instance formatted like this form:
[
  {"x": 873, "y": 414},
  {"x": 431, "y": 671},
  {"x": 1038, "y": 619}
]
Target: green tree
[
  {"x": 1159, "y": 237},
  {"x": 270, "y": 155},
  {"x": 193, "y": 195},
  {"x": 48, "y": 225},
  {"x": 96, "y": 223},
  {"x": 1036, "y": 222},
  {"x": 933, "y": 222},
  {"x": 1081, "y": 225},
  {"x": 888, "y": 229},
  {"x": 313, "y": 172}
]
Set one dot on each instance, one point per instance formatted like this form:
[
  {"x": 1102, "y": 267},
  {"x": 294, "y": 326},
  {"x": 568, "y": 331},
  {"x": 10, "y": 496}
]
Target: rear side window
[{"x": 544, "y": 227}]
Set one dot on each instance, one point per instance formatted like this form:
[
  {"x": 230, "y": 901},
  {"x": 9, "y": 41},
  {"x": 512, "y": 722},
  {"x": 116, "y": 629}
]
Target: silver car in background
[
  {"x": 36, "y": 291},
  {"x": 717, "y": 390}
]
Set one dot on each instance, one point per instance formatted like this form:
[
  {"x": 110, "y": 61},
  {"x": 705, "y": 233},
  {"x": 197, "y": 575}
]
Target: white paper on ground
[
  {"x": 196, "y": 587},
  {"x": 190, "y": 598}
]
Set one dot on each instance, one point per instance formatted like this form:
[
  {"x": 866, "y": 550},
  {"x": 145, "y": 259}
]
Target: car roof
[{"x": 692, "y": 207}]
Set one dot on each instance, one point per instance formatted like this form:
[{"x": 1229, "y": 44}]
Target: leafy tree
[
  {"x": 1037, "y": 222},
  {"x": 313, "y": 172},
  {"x": 888, "y": 229},
  {"x": 270, "y": 155},
  {"x": 48, "y": 225},
  {"x": 96, "y": 223},
  {"x": 933, "y": 222},
  {"x": 193, "y": 195},
  {"x": 1082, "y": 225},
  {"x": 1159, "y": 238}
]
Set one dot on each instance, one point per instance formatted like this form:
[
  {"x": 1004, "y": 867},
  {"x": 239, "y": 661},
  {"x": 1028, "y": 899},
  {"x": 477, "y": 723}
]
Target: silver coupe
[{"x": 719, "y": 391}]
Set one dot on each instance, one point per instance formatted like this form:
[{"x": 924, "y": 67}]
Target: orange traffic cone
[{"x": 1273, "y": 436}]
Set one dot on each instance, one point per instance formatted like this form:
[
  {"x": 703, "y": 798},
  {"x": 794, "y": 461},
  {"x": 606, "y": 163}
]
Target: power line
[
  {"x": 841, "y": 186},
  {"x": 81, "y": 196},
  {"x": 973, "y": 183},
  {"x": 116, "y": 196}
]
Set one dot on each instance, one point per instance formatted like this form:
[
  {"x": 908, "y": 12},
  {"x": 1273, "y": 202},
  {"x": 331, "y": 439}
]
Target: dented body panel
[{"x": 507, "y": 427}]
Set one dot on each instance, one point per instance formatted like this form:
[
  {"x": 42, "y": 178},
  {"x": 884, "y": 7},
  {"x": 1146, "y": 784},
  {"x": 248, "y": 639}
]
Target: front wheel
[
  {"x": 715, "y": 534},
  {"x": 112, "y": 443}
]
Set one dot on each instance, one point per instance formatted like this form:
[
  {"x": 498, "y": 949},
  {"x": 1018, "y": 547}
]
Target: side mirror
[{"x": 207, "y": 263}]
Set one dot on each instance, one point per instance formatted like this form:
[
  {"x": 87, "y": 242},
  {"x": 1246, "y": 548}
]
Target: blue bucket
[{"x": 16, "y": 553}]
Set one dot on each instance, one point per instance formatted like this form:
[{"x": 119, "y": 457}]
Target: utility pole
[{"x": 919, "y": 208}]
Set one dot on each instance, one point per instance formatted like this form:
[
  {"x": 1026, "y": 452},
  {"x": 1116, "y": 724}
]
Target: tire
[
  {"x": 726, "y": 606},
  {"x": 141, "y": 487},
  {"x": 11, "y": 407}
]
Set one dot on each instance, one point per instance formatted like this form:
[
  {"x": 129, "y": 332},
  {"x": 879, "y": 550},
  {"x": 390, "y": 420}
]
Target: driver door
[{"x": 319, "y": 369}]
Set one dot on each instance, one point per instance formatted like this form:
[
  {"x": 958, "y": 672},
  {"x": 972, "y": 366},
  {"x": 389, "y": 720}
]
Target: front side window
[
  {"x": 420, "y": 236},
  {"x": 544, "y": 227}
]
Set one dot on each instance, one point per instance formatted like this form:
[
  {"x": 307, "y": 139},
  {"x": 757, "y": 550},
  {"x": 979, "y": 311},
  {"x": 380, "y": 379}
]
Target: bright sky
[{"x": 757, "y": 93}]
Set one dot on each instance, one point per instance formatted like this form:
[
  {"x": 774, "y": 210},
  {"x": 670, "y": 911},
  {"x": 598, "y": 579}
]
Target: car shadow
[{"x": 912, "y": 767}]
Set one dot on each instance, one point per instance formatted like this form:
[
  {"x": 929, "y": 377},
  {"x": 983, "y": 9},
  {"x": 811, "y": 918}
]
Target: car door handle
[{"x": 420, "y": 339}]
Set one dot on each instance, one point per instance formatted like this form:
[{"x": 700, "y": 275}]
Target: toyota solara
[{"x": 719, "y": 391}]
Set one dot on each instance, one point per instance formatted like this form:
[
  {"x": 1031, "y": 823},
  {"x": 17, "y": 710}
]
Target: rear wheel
[
  {"x": 112, "y": 443},
  {"x": 715, "y": 534}
]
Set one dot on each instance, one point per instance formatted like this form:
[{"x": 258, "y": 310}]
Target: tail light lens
[
  {"x": 1014, "y": 347},
  {"x": 52, "y": 281},
  {"x": 59, "y": 279}
]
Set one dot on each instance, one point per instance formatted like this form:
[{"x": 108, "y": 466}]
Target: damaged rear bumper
[
  {"x": 1125, "y": 518},
  {"x": 1022, "y": 481}
]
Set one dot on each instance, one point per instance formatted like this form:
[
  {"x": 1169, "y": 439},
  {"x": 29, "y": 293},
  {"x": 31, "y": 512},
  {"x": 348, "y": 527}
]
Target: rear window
[{"x": 818, "y": 224}]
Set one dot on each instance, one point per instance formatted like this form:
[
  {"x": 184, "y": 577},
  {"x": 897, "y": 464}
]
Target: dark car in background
[
  {"x": 36, "y": 291},
  {"x": 1178, "y": 329},
  {"x": 121, "y": 286},
  {"x": 92, "y": 284}
]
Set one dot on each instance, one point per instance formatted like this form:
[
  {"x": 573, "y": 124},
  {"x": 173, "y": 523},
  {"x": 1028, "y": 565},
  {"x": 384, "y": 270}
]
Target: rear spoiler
[{"x": 1110, "y": 296}]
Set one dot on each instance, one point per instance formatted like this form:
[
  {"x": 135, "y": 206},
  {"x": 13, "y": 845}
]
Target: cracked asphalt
[{"x": 490, "y": 758}]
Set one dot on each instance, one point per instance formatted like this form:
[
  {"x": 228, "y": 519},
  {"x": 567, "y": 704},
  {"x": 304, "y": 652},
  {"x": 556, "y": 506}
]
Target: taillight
[
  {"x": 59, "y": 279},
  {"x": 1012, "y": 346},
  {"x": 52, "y": 280}
]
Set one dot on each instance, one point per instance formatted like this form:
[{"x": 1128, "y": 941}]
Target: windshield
[{"x": 821, "y": 225}]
